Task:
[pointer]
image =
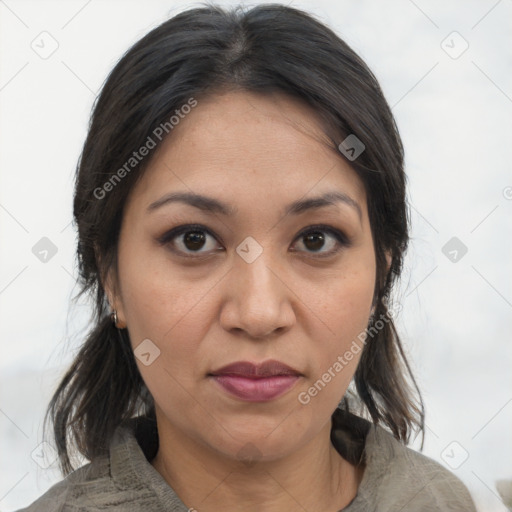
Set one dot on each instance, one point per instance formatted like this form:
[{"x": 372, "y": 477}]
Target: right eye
[{"x": 189, "y": 240}]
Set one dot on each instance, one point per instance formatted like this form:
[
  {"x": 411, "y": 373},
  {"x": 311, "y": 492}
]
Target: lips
[
  {"x": 270, "y": 368},
  {"x": 254, "y": 382}
]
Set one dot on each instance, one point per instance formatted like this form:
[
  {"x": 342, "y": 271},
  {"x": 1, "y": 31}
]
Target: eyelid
[
  {"x": 337, "y": 233},
  {"x": 343, "y": 240},
  {"x": 341, "y": 237},
  {"x": 179, "y": 230}
]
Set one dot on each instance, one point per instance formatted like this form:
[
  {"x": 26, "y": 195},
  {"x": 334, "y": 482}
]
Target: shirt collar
[{"x": 135, "y": 443}]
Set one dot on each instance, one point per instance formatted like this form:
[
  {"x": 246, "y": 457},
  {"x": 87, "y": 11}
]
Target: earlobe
[
  {"x": 117, "y": 314},
  {"x": 115, "y": 304},
  {"x": 388, "y": 266},
  {"x": 109, "y": 291},
  {"x": 388, "y": 261}
]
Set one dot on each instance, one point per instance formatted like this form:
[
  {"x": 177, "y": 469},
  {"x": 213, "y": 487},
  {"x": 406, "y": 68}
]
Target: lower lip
[{"x": 256, "y": 390}]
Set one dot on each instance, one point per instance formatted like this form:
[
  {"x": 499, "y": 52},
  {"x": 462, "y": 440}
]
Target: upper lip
[{"x": 247, "y": 369}]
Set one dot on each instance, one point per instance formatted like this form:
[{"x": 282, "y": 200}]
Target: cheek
[
  {"x": 175, "y": 318},
  {"x": 346, "y": 308},
  {"x": 348, "y": 297},
  {"x": 168, "y": 314},
  {"x": 153, "y": 298},
  {"x": 164, "y": 306}
]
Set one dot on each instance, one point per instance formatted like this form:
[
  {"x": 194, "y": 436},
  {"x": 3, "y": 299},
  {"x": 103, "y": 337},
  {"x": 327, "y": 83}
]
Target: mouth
[{"x": 255, "y": 382}]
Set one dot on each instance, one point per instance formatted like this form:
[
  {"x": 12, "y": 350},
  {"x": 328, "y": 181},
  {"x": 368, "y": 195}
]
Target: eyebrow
[{"x": 212, "y": 205}]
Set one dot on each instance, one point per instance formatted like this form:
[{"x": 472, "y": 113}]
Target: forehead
[{"x": 238, "y": 145}]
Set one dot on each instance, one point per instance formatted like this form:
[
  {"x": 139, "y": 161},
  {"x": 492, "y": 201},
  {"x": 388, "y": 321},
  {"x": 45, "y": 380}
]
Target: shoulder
[
  {"x": 57, "y": 496},
  {"x": 118, "y": 481},
  {"x": 106, "y": 482},
  {"x": 398, "y": 477}
]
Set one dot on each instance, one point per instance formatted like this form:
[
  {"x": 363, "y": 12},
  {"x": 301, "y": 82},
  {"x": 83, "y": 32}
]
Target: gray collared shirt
[{"x": 396, "y": 478}]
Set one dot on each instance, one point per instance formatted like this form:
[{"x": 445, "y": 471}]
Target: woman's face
[{"x": 247, "y": 285}]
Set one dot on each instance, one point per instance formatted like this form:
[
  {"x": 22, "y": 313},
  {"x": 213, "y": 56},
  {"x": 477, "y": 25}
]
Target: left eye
[
  {"x": 194, "y": 238},
  {"x": 315, "y": 240}
]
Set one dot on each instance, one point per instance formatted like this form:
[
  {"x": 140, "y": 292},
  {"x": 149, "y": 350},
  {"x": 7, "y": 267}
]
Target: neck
[{"x": 314, "y": 478}]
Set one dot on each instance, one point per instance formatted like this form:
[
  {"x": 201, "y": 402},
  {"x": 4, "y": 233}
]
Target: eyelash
[{"x": 342, "y": 240}]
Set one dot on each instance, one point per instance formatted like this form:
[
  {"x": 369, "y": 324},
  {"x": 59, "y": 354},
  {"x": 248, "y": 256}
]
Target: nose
[{"x": 259, "y": 300}]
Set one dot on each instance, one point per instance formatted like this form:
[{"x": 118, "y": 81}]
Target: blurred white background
[{"x": 445, "y": 68}]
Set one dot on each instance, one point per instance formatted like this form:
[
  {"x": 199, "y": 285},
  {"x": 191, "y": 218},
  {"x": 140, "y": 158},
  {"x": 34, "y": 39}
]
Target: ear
[
  {"x": 113, "y": 296},
  {"x": 388, "y": 260},
  {"x": 115, "y": 300},
  {"x": 388, "y": 266}
]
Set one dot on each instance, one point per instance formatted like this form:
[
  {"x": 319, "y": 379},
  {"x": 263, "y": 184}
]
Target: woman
[{"x": 241, "y": 213}]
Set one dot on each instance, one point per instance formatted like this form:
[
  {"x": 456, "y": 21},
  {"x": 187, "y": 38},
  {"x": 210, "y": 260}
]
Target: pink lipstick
[{"x": 255, "y": 382}]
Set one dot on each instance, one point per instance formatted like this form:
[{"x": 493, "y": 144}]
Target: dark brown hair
[{"x": 201, "y": 51}]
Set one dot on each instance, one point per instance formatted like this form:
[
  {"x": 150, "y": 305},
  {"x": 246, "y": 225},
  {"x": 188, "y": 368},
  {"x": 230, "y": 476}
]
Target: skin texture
[{"x": 257, "y": 153}]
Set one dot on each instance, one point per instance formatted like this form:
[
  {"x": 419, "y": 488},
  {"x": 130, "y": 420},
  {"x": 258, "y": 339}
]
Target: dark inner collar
[{"x": 348, "y": 435}]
